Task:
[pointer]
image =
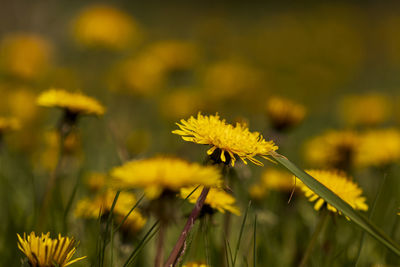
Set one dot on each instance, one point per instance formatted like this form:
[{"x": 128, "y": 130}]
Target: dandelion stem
[
  {"x": 177, "y": 250},
  {"x": 318, "y": 230},
  {"x": 160, "y": 245}
]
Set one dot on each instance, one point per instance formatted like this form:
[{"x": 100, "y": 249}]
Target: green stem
[{"x": 314, "y": 238}]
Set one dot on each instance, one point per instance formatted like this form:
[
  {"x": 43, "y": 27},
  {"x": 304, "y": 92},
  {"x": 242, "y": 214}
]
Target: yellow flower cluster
[
  {"x": 101, "y": 204},
  {"x": 217, "y": 199},
  {"x": 364, "y": 110},
  {"x": 333, "y": 149},
  {"x": 226, "y": 139},
  {"x": 9, "y": 124},
  {"x": 155, "y": 175},
  {"x": 272, "y": 179},
  {"x": 76, "y": 103},
  {"x": 284, "y": 113},
  {"x": 25, "y": 56},
  {"x": 105, "y": 26},
  {"x": 378, "y": 148},
  {"x": 42, "y": 251},
  {"x": 339, "y": 184}
]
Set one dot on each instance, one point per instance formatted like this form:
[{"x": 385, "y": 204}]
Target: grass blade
[
  {"x": 240, "y": 234},
  {"x": 255, "y": 242},
  {"x": 129, "y": 213},
  {"x": 338, "y": 203}
]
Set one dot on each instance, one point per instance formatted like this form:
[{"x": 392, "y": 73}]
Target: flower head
[
  {"x": 42, "y": 251},
  {"x": 8, "y": 124},
  {"x": 339, "y": 184},
  {"x": 353, "y": 111},
  {"x": 162, "y": 173},
  {"x": 217, "y": 199},
  {"x": 272, "y": 179},
  {"x": 225, "y": 139},
  {"x": 25, "y": 56},
  {"x": 378, "y": 148},
  {"x": 105, "y": 26},
  {"x": 75, "y": 103},
  {"x": 333, "y": 149},
  {"x": 283, "y": 113},
  {"x": 101, "y": 204}
]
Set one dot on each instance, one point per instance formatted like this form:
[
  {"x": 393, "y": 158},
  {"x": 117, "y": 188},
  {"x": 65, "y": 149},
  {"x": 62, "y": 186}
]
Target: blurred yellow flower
[
  {"x": 105, "y": 26},
  {"x": 174, "y": 54},
  {"x": 162, "y": 173},
  {"x": 96, "y": 181},
  {"x": 75, "y": 103},
  {"x": 195, "y": 264},
  {"x": 181, "y": 103},
  {"x": 364, "y": 110},
  {"x": 22, "y": 104},
  {"x": 42, "y": 251},
  {"x": 25, "y": 56},
  {"x": 101, "y": 205},
  {"x": 339, "y": 184},
  {"x": 333, "y": 149},
  {"x": 231, "y": 79},
  {"x": 272, "y": 179},
  {"x": 284, "y": 113},
  {"x": 225, "y": 140},
  {"x": 143, "y": 75},
  {"x": 9, "y": 124},
  {"x": 378, "y": 148},
  {"x": 217, "y": 199}
]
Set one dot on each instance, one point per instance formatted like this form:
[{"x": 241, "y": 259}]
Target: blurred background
[{"x": 152, "y": 63}]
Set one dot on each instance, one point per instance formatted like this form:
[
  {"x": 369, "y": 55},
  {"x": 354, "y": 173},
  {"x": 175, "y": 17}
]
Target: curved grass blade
[{"x": 338, "y": 203}]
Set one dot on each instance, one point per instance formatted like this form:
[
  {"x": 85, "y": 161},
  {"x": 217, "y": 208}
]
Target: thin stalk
[
  {"x": 318, "y": 230},
  {"x": 160, "y": 245},
  {"x": 177, "y": 250},
  {"x": 240, "y": 234}
]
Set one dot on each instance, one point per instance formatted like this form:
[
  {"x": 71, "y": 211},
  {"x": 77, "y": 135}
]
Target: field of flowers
[{"x": 199, "y": 134}]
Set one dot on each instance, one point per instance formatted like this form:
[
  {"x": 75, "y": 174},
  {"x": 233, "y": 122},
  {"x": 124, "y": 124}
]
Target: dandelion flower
[
  {"x": 101, "y": 204},
  {"x": 226, "y": 140},
  {"x": 8, "y": 124},
  {"x": 333, "y": 149},
  {"x": 378, "y": 148},
  {"x": 74, "y": 103},
  {"x": 217, "y": 199},
  {"x": 105, "y": 26},
  {"x": 339, "y": 184},
  {"x": 155, "y": 175},
  {"x": 272, "y": 179},
  {"x": 26, "y": 56},
  {"x": 284, "y": 113},
  {"x": 364, "y": 110},
  {"x": 42, "y": 251}
]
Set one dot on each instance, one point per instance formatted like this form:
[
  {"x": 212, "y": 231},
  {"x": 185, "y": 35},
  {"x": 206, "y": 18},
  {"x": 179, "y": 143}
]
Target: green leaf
[{"x": 338, "y": 203}]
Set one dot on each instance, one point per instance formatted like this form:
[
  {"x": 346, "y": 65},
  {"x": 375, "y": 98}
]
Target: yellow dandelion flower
[
  {"x": 9, "y": 124},
  {"x": 284, "y": 113},
  {"x": 43, "y": 251},
  {"x": 272, "y": 179},
  {"x": 225, "y": 140},
  {"x": 105, "y": 26},
  {"x": 339, "y": 184},
  {"x": 162, "y": 173},
  {"x": 378, "y": 148},
  {"x": 174, "y": 54},
  {"x": 96, "y": 181},
  {"x": 195, "y": 264},
  {"x": 333, "y": 149},
  {"x": 26, "y": 56},
  {"x": 101, "y": 204},
  {"x": 181, "y": 103},
  {"x": 217, "y": 199},
  {"x": 364, "y": 110},
  {"x": 75, "y": 103}
]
